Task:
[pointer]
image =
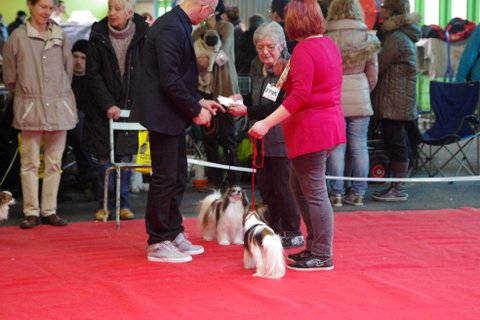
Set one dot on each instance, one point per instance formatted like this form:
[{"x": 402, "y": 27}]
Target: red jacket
[{"x": 313, "y": 97}]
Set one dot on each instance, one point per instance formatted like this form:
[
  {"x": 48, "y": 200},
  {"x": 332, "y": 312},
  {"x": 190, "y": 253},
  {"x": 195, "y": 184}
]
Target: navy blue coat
[{"x": 167, "y": 99}]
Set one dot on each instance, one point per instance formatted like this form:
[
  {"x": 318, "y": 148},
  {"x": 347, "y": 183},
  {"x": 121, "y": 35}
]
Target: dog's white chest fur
[
  {"x": 221, "y": 217},
  {"x": 229, "y": 227}
]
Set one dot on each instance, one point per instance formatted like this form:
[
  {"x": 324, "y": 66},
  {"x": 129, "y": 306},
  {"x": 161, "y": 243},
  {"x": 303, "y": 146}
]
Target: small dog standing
[
  {"x": 263, "y": 248},
  {"x": 6, "y": 200},
  {"x": 221, "y": 217}
]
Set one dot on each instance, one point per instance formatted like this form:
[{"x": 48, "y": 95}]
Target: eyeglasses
[
  {"x": 212, "y": 11},
  {"x": 269, "y": 48}
]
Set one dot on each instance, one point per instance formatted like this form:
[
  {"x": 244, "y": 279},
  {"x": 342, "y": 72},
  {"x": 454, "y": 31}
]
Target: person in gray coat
[{"x": 395, "y": 99}]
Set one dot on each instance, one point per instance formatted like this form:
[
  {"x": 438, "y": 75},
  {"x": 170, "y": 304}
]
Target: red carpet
[{"x": 390, "y": 265}]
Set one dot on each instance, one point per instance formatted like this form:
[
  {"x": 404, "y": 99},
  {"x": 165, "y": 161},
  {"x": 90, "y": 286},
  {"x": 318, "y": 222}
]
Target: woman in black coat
[{"x": 113, "y": 67}]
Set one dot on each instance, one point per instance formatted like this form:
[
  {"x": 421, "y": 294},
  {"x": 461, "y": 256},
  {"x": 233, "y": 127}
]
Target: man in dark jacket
[
  {"x": 113, "y": 70},
  {"x": 83, "y": 98},
  {"x": 167, "y": 102},
  {"x": 19, "y": 20}
]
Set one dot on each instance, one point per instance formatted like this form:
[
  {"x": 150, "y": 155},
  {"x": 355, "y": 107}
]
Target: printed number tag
[{"x": 271, "y": 92}]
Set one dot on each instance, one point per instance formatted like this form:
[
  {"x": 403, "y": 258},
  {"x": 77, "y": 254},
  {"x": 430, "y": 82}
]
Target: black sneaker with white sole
[
  {"x": 292, "y": 240},
  {"x": 299, "y": 256},
  {"x": 312, "y": 263}
]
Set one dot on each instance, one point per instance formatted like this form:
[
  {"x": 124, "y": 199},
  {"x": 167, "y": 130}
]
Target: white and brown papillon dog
[
  {"x": 6, "y": 200},
  {"x": 263, "y": 248},
  {"x": 221, "y": 216}
]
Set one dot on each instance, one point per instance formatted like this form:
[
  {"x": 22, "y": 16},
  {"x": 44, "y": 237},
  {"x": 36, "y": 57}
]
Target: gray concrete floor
[{"x": 422, "y": 196}]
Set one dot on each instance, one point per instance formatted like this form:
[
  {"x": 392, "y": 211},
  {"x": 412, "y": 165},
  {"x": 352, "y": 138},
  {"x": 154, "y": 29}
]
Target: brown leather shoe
[
  {"x": 30, "y": 222},
  {"x": 54, "y": 220},
  {"x": 126, "y": 214}
]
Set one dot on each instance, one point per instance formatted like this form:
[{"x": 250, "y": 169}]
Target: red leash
[{"x": 256, "y": 166}]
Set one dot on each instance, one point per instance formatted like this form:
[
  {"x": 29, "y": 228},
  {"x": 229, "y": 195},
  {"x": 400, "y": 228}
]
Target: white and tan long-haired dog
[
  {"x": 221, "y": 217},
  {"x": 263, "y": 248},
  {"x": 6, "y": 200}
]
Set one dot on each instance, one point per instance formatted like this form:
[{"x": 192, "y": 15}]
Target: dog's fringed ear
[
  {"x": 5, "y": 196},
  {"x": 226, "y": 194},
  {"x": 262, "y": 211}
]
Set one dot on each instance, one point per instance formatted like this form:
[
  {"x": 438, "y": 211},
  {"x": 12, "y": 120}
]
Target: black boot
[{"x": 396, "y": 190}]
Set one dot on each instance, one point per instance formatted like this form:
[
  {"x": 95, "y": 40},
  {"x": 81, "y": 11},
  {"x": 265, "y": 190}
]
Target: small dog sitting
[
  {"x": 221, "y": 217},
  {"x": 263, "y": 248},
  {"x": 6, "y": 200}
]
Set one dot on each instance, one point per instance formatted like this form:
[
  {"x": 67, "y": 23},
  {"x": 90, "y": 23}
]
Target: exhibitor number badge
[{"x": 271, "y": 92}]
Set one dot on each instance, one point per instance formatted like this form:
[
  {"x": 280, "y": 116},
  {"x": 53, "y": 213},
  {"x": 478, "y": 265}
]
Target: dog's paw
[
  {"x": 207, "y": 238},
  {"x": 224, "y": 243},
  {"x": 238, "y": 242}
]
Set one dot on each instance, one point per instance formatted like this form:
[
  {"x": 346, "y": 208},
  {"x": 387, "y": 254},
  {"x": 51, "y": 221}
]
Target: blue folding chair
[{"x": 456, "y": 127}]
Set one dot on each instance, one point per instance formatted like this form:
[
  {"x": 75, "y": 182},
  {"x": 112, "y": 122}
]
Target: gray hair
[
  {"x": 129, "y": 5},
  {"x": 271, "y": 30}
]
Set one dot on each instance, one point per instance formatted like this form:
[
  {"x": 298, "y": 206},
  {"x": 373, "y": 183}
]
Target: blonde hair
[{"x": 345, "y": 9}]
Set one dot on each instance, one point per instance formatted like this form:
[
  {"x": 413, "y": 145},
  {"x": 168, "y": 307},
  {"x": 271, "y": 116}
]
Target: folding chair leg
[
  {"x": 105, "y": 192},
  {"x": 117, "y": 199}
]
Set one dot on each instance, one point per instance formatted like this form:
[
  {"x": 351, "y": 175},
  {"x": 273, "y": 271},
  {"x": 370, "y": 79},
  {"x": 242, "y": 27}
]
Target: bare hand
[
  {"x": 258, "y": 130},
  {"x": 113, "y": 113},
  {"x": 203, "y": 118},
  {"x": 237, "y": 109},
  {"x": 211, "y": 106},
  {"x": 237, "y": 97},
  {"x": 203, "y": 62},
  {"x": 11, "y": 88}
]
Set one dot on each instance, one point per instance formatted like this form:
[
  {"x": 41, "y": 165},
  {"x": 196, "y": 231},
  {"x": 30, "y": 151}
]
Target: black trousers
[
  {"x": 401, "y": 138},
  {"x": 274, "y": 183},
  {"x": 163, "y": 219},
  {"x": 221, "y": 133}
]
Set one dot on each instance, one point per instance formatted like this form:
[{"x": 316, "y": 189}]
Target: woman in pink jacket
[{"x": 313, "y": 124}]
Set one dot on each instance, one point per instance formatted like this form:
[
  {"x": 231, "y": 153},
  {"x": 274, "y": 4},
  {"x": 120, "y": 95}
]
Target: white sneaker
[
  {"x": 185, "y": 246},
  {"x": 166, "y": 252}
]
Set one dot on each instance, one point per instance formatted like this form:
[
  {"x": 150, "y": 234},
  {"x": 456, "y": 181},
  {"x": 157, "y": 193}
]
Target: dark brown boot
[{"x": 30, "y": 222}]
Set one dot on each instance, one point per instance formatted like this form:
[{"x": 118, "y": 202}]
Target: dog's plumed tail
[
  {"x": 273, "y": 256},
  {"x": 207, "y": 214}
]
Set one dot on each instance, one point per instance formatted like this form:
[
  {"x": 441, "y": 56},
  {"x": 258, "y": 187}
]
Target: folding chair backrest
[
  {"x": 121, "y": 126},
  {"x": 451, "y": 104}
]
